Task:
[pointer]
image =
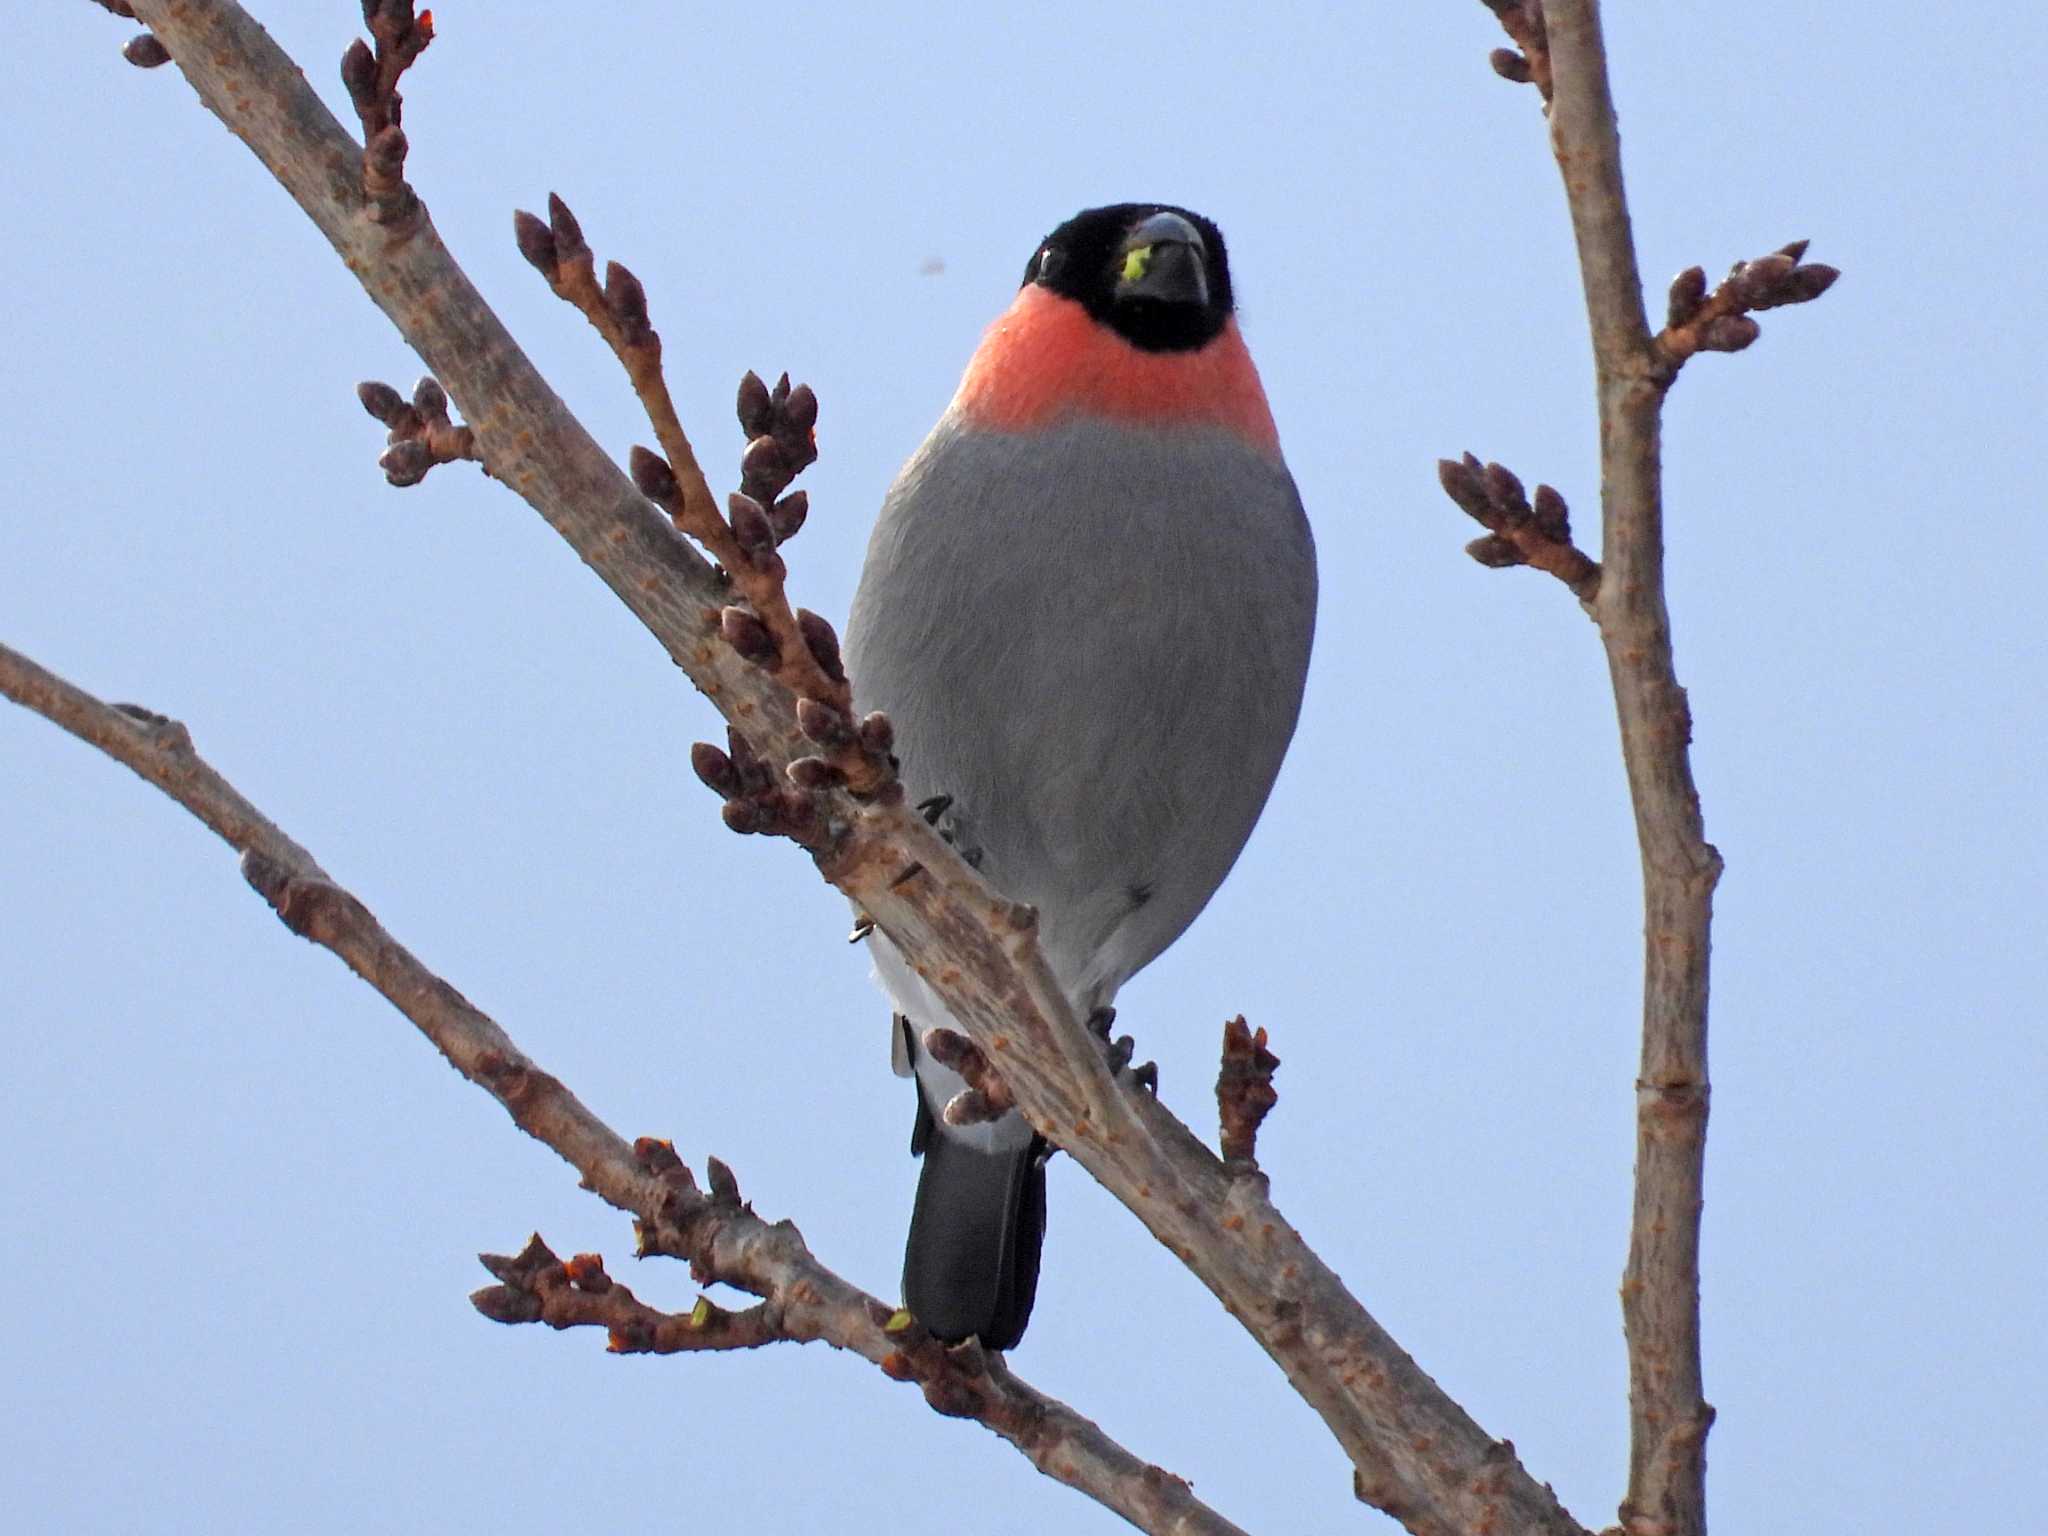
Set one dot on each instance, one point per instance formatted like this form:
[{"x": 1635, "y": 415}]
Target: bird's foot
[
  {"x": 934, "y": 809},
  {"x": 1119, "y": 1049}
]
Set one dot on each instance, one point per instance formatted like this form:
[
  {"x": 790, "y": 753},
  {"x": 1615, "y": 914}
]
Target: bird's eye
[{"x": 1050, "y": 260}]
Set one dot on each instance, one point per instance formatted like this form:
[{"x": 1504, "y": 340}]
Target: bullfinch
[{"x": 1087, "y": 608}]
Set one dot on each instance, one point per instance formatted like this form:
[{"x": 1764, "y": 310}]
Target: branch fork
[
  {"x": 421, "y": 432},
  {"x": 370, "y": 75},
  {"x": 1699, "y": 321},
  {"x": 1528, "y": 62},
  {"x": 795, "y": 647},
  {"x": 1519, "y": 531}
]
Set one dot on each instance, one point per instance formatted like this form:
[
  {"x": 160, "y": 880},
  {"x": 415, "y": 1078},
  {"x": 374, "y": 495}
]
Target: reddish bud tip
[
  {"x": 358, "y": 70},
  {"x": 750, "y": 526},
  {"x": 823, "y": 643},
  {"x": 536, "y": 242},
  {"x": 650, "y": 472},
  {"x": 1757, "y": 282},
  {"x": 146, "y": 51},
  {"x": 952, "y": 1049},
  {"x": 742, "y": 816},
  {"x": 762, "y": 460},
  {"x": 788, "y": 514},
  {"x": 1462, "y": 482},
  {"x": 970, "y": 1106},
  {"x": 568, "y": 233},
  {"x": 1688, "y": 292},
  {"x": 1504, "y": 488},
  {"x": 1551, "y": 516},
  {"x": 822, "y": 724},
  {"x": 429, "y": 398},
  {"x": 625, "y": 297},
  {"x": 406, "y": 462},
  {"x": 756, "y": 412},
  {"x": 1729, "y": 333},
  {"x": 715, "y": 769},
  {"x": 877, "y": 733},
  {"x": 1494, "y": 551},
  {"x": 1794, "y": 248},
  {"x": 380, "y": 399},
  {"x": 814, "y": 773},
  {"x": 800, "y": 410},
  {"x": 1809, "y": 283},
  {"x": 1509, "y": 65},
  {"x": 586, "y": 1272},
  {"x": 748, "y": 635}
]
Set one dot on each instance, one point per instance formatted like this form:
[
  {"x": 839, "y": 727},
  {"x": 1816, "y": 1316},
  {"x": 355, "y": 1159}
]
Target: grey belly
[{"x": 1094, "y": 640}]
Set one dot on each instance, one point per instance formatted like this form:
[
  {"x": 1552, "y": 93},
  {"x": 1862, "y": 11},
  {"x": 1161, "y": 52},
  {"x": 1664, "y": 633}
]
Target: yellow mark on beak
[{"x": 1136, "y": 262}]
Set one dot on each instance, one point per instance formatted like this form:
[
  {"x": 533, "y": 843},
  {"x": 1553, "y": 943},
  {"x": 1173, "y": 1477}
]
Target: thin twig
[
  {"x": 1699, "y": 321},
  {"x": 1519, "y": 531},
  {"x": 723, "y": 1239}
]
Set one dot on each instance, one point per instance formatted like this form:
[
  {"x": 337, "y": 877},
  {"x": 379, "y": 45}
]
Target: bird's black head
[{"x": 1154, "y": 274}]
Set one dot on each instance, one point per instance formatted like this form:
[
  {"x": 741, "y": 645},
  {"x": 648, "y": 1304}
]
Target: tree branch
[
  {"x": 723, "y": 1240},
  {"x": 1668, "y": 1414},
  {"x": 1417, "y": 1454}
]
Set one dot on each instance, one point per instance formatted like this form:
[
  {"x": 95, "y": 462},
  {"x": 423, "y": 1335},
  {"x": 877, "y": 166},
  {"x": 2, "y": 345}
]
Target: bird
[{"x": 1087, "y": 608}]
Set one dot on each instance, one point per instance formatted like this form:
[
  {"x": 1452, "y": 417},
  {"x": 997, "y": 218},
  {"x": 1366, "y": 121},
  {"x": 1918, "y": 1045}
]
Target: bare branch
[
  {"x": 723, "y": 1240},
  {"x": 1669, "y": 1416},
  {"x": 1418, "y": 1455}
]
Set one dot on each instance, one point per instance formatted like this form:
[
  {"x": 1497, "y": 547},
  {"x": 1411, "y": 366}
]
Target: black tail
[{"x": 971, "y": 1265}]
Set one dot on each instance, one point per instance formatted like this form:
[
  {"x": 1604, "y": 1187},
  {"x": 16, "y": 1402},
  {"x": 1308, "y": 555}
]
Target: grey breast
[{"x": 1094, "y": 638}]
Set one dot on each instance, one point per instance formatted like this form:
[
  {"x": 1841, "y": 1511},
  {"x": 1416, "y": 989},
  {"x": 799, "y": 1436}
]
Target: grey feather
[{"x": 1094, "y": 638}]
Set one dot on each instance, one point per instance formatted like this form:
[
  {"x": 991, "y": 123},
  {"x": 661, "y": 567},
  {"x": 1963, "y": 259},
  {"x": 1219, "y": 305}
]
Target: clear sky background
[{"x": 240, "y": 1196}]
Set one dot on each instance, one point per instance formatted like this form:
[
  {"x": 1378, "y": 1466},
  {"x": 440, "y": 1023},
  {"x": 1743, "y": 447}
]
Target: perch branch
[
  {"x": 723, "y": 1240},
  {"x": 1417, "y": 1455}
]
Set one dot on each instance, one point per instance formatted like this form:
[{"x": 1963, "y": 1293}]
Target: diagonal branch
[
  {"x": 1417, "y": 1454},
  {"x": 722, "y": 1238}
]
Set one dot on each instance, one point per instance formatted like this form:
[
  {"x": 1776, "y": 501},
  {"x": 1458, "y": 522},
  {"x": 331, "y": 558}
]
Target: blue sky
[{"x": 242, "y": 1197}]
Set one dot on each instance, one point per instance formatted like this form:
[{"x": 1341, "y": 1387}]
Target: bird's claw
[
  {"x": 934, "y": 808},
  {"x": 1119, "y": 1049}
]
